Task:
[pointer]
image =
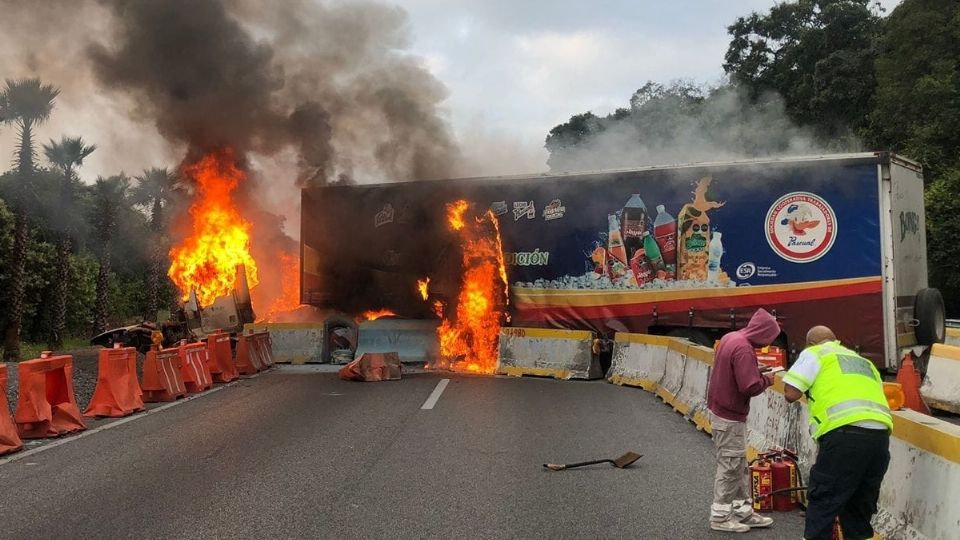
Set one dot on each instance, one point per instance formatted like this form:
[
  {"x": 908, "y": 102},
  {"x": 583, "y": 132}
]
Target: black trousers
[{"x": 845, "y": 482}]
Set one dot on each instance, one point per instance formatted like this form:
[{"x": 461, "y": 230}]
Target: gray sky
[{"x": 515, "y": 69}]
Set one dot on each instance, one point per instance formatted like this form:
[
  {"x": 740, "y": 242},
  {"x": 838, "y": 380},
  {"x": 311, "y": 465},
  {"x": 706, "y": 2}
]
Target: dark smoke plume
[{"x": 325, "y": 81}]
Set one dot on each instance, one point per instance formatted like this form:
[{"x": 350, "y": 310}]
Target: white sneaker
[
  {"x": 730, "y": 525},
  {"x": 755, "y": 521}
]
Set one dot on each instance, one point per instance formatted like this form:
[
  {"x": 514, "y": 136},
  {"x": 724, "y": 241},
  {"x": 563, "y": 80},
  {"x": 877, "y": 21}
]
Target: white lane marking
[
  {"x": 60, "y": 442},
  {"x": 435, "y": 395}
]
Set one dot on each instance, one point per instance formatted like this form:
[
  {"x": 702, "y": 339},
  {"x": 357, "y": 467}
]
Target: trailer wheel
[{"x": 931, "y": 318}]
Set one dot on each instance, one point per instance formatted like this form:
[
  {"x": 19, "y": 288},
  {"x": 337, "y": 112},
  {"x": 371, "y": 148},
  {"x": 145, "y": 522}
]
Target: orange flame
[
  {"x": 207, "y": 260},
  {"x": 422, "y": 286},
  {"x": 374, "y": 315},
  {"x": 289, "y": 298},
  {"x": 469, "y": 343}
]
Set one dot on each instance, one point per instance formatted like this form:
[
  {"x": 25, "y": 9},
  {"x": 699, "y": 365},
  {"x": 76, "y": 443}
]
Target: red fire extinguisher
[
  {"x": 761, "y": 482},
  {"x": 780, "y": 472}
]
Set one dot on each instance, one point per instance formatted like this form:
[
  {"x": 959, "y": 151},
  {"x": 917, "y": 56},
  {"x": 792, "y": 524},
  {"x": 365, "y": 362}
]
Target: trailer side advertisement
[{"x": 623, "y": 251}]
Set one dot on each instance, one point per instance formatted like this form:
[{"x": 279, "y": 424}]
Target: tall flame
[
  {"x": 207, "y": 260},
  {"x": 469, "y": 342},
  {"x": 289, "y": 296},
  {"x": 423, "y": 287}
]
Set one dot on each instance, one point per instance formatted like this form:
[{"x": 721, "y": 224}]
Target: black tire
[
  {"x": 692, "y": 335},
  {"x": 931, "y": 317}
]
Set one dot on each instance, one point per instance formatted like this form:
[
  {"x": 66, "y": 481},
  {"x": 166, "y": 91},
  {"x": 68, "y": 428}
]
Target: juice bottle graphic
[
  {"x": 653, "y": 252},
  {"x": 634, "y": 224},
  {"x": 665, "y": 233},
  {"x": 693, "y": 237},
  {"x": 614, "y": 240},
  {"x": 713, "y": 257}
]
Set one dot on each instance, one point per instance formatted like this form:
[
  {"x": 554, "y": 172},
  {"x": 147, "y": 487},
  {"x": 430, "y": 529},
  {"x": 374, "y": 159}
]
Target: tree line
[
  {"x": 75, "y": 259},
  {"x": 840, "y": 73}
]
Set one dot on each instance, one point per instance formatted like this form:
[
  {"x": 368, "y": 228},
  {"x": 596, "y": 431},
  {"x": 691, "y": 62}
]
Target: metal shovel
[{"x": 621, "y": 462}]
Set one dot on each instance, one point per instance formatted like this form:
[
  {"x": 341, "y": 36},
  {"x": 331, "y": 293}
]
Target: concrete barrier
[
  {"x": 669, "y": 386},
  {"x": 941, "y": 386},
  {"x": 293, "y": 343},
  {"x": 953, "y": 337},
  {"x": 920, "y": 495},
  {"x": 547, "y": 352},
  {"x": 638, "y": 360},
  {"x": 412, "y": 340}
]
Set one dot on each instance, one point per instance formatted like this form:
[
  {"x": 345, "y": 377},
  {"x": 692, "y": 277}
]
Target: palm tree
[
  {"x": 66, "y": 155},
  {"x": 27, "y": 103},
  {"x": 153, "y": 191},
  {"x": 109, "y": 197}
]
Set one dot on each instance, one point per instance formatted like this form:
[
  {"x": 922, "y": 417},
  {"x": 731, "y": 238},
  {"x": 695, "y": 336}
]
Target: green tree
[
  {"x": 66, "y": 155},
  {"x": 817, "y": 54},
  {"x": 110, "y": 196},
  {"x": 917, "y": 108},
  {"x": 27, "y": 103},
  {"x": 153, "y": 191}
]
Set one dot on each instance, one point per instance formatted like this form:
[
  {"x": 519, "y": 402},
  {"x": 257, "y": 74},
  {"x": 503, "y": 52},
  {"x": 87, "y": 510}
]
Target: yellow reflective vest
[{"x": 847, "y": 389}]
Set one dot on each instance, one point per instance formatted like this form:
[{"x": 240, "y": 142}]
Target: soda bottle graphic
[
  {"x": 713, "y": 257},
  {"x": 634, "y": 224},
  {"x": 640, "y": 265},
  {"x": 653, "y": 252},
  {"x": 665, "y": 233},
  {"x": 614, "y": 241}
]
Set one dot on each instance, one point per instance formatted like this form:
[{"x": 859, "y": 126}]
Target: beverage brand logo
[
  {"x": 527, "y": 258},
  {"x": 746, "y": 270},
  {"x": 801, "y": 227},
  {"x": 524, "y": 208},
  {"x": 554, "y": 210},
  {"x": 383, "y": 216},
  {"x": 499, "y": 208}
]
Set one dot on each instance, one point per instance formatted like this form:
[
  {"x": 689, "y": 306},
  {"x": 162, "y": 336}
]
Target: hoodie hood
[{"x": 762, "y": 329}]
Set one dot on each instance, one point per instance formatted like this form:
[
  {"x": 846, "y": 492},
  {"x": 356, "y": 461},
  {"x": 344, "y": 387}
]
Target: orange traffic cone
[
  {"x": 47, "y": 406},
  {"x": 118, "y": 392},
  {"x": 9, "y": 439},
  {"x": 194, "y": 369},
  {"x": 162, "y": 378},
  {"x": 220, "y": 358},
  {"x": 909, "y": 379}
]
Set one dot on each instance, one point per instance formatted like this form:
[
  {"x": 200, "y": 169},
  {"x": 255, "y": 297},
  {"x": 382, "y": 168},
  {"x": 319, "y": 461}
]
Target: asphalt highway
[{"x": 297, "y": 453}]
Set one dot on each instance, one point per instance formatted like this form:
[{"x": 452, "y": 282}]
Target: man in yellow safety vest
[{"x": 851, "y": 421}]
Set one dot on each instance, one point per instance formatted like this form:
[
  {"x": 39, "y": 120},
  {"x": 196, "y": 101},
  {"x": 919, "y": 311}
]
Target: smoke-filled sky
[{"x": 404, "y": 90}]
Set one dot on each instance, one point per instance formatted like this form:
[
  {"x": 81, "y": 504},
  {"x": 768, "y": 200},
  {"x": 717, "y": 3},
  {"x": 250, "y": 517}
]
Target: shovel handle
[{"x": 572, "y": 465}]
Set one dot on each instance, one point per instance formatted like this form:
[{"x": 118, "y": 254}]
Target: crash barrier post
[
  {"x": 941, "y": 386},
  {"x": 953, "y": 337},
  {"x": 293, "y": 343},
  {"x": 373, "y": 367},
  {"x": 194, "y": 367},
  {"x": 117, "y": 392},
  {"x": 47, "y": 406},
  {"x": 9, "y": 438},
  {"x": 163, "y": 376},
  {"x": 923, "y": 479},
  {"x": 548, "y": 352},
  {"x": 248, "y": 354},
  {"x": 220, "y": 357},
  {"x": 263, "y": 341},
  {"x": 412, "y": 340},
  {"x": 638, "y": 360}
]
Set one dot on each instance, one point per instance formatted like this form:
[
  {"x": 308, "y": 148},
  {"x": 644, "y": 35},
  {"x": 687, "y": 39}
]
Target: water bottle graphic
[{"x": 713, "y": 258}]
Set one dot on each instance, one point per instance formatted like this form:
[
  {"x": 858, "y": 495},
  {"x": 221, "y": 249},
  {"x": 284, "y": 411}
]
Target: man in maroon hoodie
[{"x": 734, "y": 380}]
